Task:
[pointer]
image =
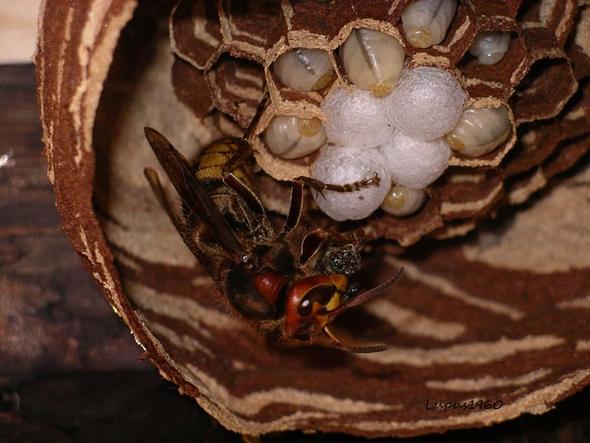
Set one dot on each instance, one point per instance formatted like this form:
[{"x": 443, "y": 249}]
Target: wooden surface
[
  {"x": 51, "y": 316},
  {"x": 67, "y": 363},
  {"x": 18, "y": 25}
]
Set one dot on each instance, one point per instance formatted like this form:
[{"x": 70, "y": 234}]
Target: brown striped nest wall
[{"x": 501, "y": 315}]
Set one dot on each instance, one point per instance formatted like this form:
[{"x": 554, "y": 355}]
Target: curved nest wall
[{"x": 500, "y": 317}]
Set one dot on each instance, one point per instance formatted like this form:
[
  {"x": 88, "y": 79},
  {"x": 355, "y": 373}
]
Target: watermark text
[{"x": 479, "y": 404}]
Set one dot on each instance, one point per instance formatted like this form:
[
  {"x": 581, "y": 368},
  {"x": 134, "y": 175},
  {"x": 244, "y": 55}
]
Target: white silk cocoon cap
[
  {"x": 415, "y": 163},
  {"x": 356, "y": 118},
  {"x": 426, "y": 104},
  {"x": 345, "y": 164}
]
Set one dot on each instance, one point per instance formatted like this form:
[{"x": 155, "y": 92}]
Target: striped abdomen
[{"x": 209, "y": 165}]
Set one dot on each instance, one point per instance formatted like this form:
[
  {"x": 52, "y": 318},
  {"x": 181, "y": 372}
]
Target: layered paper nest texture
[{"x": 501, "y": 315}]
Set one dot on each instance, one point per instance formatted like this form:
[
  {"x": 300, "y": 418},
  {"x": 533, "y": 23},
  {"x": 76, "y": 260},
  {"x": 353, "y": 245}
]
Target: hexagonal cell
[
  {"x": 241, "y": 21},
  {"x": 238, "y": 87},
  {"x": 196, "y": 32},
  {"x": 371, "y": 59},
  {"x": 280, "y": 92},
  {"x": 488, "y": 10},
  {"x": 575, "y": 120},
  {"x": 291, "y": 101},
  {"x": 457, "y": 40},
  {"x": 544, "y": 91},
  {"x": 529, "y": 13},
  {"x": 536, "y": 141},
  {"x": 554, "y": 158},
  {"x": 407, "y": 230},
  {"x": 291, "y": 137},
  {"x": 468, "y": 193},
  {"x": 279, "y": 168},
  {"x": 556, "y": 15},
  {"x": 303, "y": 69},
  {"x": 520, "y": 187},
  {"x": 191, "y": 88},
  {"x": 493, "y": 158},
  {"x": 566, "y": 155},
  {"x": 497, "y": 80},
  {"x": 403, "y": 202},
  {"x": 321, "y": 21}
]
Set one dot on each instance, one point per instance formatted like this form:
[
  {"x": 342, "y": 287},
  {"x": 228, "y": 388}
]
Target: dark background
[{"x": 69, "y": 368}]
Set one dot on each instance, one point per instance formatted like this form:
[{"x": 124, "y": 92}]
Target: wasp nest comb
[
  {"x": 465, "y": 104},
  {"x": 480, "y": 330}
]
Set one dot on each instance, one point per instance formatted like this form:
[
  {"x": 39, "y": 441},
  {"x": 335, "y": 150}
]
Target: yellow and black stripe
[{"x": 209, "y": 165}]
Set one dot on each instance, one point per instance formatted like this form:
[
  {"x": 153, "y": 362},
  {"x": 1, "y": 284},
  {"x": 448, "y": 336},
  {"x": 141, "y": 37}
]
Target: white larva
[
  {"x": 372, "y": 60},
  {"x": 345, "y": 165},
  {"x": 304, "y": 69},
  {"x": 401, "y": 201},
  {"x": 415, "y": 163},
  {"x": 426, "y": 22},
  {"x": 490, "y": 47},
  {"x": 292, "y": 137},
  {"x": 426, "y": 104},
  {"x": 480, "y": 131},
  {"x": 356, "y": 118}
]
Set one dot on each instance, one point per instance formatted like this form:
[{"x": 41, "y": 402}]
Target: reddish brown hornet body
[
  {"x": 310, "y": 300},
  {"x": 296, "y": 280}
]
